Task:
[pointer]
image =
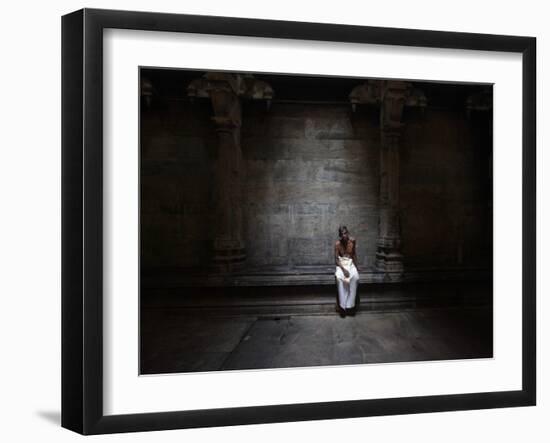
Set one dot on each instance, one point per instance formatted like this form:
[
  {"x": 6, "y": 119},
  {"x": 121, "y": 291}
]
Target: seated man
[{"x": 347, "y": 274}]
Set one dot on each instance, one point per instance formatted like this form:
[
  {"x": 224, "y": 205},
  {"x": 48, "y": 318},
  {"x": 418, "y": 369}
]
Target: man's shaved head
[{"x": 343, "y": 232}]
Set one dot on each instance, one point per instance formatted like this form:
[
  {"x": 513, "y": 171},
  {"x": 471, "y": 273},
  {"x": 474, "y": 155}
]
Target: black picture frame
[{"x": 82, "y": 215}]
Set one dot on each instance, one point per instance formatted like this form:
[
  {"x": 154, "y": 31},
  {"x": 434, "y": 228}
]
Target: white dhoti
[{"x": 347, "y": 286}]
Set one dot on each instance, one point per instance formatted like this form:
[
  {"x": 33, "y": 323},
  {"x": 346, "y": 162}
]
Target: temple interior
[{"x": 244, "y": 181}]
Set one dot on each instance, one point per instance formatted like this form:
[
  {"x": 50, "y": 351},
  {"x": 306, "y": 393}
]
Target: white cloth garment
[{"x": 347, "y": 286}]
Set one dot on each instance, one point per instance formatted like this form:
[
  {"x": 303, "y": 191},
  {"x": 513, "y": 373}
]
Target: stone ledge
[
  {"x": 181, "y": 277},
  {"x": 316, "y": 299}
]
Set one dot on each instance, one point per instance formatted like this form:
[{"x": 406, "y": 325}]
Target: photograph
[
  {"x": 254, "y": 222},
  {"x": 292, "y": 221}
]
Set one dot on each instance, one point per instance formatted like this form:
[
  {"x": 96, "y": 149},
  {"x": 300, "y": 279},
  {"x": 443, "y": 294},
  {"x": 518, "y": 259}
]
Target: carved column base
[
  {"x": 389, "y": 261},
  {"x": 228, "y": 256},
  {"x": 388, "y": 255}
]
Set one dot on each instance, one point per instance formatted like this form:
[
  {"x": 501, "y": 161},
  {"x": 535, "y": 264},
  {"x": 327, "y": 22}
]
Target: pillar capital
[
  {"x": 226, "y": 91},
  {"x": 244, "y": 86},
  {"x": 480, "y": 101},
  {"x": 367, "y": 93},
  {"x": 395, "y": 96},
  {"x": 390, "y": 94}
]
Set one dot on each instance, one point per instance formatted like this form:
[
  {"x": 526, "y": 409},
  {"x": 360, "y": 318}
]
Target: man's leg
[
  {"x": 342, "y": 293},
  {"x": 354, "y": 281}
]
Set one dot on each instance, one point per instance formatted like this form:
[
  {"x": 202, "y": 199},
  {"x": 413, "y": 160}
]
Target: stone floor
[{"x": 180, "y": 340}]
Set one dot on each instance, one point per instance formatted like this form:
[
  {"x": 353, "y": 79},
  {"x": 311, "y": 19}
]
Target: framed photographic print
[{"x": 268, "y": 221}]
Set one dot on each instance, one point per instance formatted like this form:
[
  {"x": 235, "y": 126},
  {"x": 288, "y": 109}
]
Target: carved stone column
[
  {"x": 146, "y": 91},
  {"x": 388, "y": 245},
  {"x": 225, "y": 91},
  {"x": 228, "y": 248},
  {"x": 392, "y": 96}
]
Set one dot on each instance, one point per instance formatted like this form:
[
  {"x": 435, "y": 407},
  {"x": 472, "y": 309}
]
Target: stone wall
[
  {"x": 177, "y": 146},
  {"x": 445, "y": 185},
  {"x": 308, "y": 168}
]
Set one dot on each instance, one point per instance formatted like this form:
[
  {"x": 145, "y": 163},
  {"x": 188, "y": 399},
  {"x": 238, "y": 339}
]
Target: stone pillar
[
  {"x": 225, "y": 91},
  {"x": 228, "y": 248},
  {"x": 388, "y": 244},
  {"x": 146, "y": 91},
  {"x": 392, "y": 96}
]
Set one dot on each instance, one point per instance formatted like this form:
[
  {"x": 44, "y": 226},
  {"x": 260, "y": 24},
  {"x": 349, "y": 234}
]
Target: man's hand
[{"x": 346, "y": 272}]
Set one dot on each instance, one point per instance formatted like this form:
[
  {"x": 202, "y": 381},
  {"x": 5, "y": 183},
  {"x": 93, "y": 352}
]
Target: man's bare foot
[
  {"x": 340, "y": 310},
  {"x": 351, "y": 311}
]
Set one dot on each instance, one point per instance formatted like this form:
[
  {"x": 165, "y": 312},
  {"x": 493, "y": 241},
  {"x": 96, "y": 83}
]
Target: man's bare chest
[{"x": 345, "y": 249}]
